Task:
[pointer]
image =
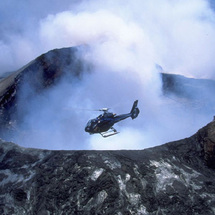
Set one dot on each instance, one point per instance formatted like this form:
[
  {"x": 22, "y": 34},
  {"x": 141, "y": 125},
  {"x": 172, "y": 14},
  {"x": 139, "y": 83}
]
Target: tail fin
[{"x": 135, "y": 110}]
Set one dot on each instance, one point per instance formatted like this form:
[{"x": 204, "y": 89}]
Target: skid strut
[{"x": 109, "y": 133}]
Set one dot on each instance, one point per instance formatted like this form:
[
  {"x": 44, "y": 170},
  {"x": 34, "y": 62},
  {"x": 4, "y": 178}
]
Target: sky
[{"x": 127, "y": 39}]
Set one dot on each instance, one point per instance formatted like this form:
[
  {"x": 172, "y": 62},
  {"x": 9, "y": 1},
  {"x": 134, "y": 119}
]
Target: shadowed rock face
[
  {"x": 206, "y": 138},
  {"x": 175, "y": 178}
]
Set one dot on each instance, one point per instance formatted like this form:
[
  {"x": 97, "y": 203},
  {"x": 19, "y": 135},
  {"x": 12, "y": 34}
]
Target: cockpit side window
[
  {"x": 100, "y": 116},
  {"x": 94, "y": 121},
  {"x": 89, "y": 123}
]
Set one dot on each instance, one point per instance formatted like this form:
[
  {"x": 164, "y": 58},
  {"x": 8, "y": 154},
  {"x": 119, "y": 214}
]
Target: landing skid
[{"x": 109, "y": 133}]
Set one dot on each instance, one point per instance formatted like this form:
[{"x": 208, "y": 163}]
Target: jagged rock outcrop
[
  {"x": 174, "y": 178},
  {"x": 206, "y": 138}
]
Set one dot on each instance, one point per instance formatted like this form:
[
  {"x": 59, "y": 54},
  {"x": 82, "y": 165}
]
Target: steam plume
[{"x": 127, "y": 39}]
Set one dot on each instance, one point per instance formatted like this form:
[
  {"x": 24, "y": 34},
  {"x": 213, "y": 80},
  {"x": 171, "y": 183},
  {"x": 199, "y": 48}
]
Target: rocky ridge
[{"x": 174, "y": 178}]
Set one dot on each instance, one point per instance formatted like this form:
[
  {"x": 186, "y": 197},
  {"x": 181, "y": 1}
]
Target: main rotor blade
[
  {"x": 104, "y": 109},
  {"x": 85, "y": 109}
]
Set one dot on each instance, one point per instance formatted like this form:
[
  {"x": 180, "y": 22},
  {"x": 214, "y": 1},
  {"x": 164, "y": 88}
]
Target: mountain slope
[
  {"x": 40, "y": 74},
  {"x": 175, "y": 178},
  {"x": 198, "y": 92}
]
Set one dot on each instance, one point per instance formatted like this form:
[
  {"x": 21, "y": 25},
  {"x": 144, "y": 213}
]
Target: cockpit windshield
[{"x": 91, "y": 122}]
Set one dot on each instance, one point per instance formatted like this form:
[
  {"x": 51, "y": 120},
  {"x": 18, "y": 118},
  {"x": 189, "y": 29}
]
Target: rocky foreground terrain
[{"x": 175, "y": 178}]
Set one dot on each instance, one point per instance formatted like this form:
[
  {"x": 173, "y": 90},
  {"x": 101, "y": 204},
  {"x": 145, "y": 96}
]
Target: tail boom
[{"x": 133, "y": 113}]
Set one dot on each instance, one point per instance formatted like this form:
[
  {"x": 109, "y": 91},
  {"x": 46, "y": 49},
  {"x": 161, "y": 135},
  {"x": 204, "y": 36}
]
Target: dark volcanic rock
[
  {"x": 206, "y": 137},
  {"x": 175, "y": 178}
]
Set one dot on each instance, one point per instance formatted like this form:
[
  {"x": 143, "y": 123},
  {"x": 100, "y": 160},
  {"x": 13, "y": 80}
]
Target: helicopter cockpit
[{"x": 91, "y": 125}]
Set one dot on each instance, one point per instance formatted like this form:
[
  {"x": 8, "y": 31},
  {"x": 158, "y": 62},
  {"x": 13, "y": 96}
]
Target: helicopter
[{"x": 103, "y": 124}]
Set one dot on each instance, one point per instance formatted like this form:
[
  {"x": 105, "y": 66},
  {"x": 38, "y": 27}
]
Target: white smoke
[
  {"x": 127, "y": 39},
  {"x": 179, "y": 35}
]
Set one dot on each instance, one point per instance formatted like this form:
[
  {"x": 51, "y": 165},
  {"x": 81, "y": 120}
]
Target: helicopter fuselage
[{"x": 104, "y": 122}]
